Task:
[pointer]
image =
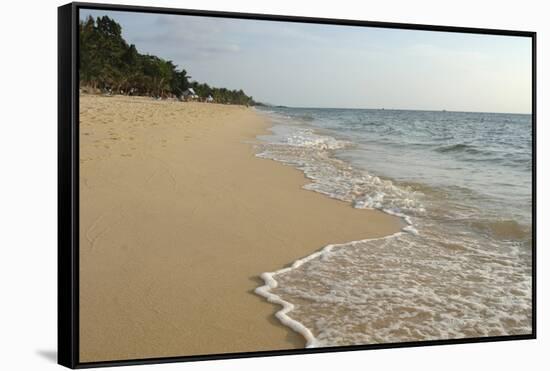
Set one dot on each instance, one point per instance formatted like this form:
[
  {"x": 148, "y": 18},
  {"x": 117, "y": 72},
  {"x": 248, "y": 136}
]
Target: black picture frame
[{"x": 68, "y": 181}]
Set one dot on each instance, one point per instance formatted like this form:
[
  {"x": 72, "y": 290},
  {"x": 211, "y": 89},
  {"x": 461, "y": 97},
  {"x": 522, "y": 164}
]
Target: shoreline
[
  {"x": 178, "y": 220},
  {"x": 271, "y": 283},
  {"x": 321, "y": 296}
]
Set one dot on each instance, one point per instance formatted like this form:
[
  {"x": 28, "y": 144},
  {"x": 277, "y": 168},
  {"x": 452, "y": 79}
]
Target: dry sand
[{"x": 177, "y": 221}]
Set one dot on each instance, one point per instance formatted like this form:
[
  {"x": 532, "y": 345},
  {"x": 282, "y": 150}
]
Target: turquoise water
[{"x": 461, "y": 181}]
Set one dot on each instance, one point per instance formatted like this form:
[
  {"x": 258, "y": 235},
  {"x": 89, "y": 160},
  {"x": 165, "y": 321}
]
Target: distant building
[
  {"x": 209, "y": 99},
  {"x": 190, "y": 94}
]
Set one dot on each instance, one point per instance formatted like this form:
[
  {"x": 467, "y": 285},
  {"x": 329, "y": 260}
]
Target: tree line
[{"x": 109, "y": 63}]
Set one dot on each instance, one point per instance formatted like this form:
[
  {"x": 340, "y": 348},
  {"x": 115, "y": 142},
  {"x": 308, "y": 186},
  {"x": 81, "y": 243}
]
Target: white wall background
[{"x": 28, "y": 155}]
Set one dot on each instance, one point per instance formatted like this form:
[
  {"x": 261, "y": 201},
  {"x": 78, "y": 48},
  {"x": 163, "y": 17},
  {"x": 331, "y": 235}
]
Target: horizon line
[{"x": 392, "y": 109}]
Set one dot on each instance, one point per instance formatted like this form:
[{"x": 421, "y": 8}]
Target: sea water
[{"x": 461, "y": 266}]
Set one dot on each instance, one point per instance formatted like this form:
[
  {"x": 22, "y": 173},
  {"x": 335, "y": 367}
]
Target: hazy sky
[{"x": 308, "y": 65}]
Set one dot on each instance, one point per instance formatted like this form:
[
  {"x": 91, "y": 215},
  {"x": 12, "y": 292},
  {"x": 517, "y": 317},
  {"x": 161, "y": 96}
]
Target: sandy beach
[{"x": 178, "y": 219}]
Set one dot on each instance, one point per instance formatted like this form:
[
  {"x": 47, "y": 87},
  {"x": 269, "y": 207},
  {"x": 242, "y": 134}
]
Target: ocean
[{"x": 460, "y": 268}]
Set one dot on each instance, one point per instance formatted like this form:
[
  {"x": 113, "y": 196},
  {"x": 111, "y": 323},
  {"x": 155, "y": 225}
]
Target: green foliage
[{"x": 108, "y": 63}]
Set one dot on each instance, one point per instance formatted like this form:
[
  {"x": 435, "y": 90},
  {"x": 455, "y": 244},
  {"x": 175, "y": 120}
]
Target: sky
[{"x": 335, "y": 66}]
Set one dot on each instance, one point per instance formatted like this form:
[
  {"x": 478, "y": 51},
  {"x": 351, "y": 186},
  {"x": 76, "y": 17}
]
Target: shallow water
[{"x": 462, "y": 265}]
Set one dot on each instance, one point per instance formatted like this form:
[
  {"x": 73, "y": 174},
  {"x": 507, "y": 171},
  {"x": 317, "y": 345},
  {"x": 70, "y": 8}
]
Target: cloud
[
  {"x": 187, "y": 38},
  {"x": 384, "y": 67}
]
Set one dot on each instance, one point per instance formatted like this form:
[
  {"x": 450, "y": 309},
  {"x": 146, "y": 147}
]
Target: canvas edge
[
  {"x": 68, "y": 309},
  {"x": 67, "y": 246}
]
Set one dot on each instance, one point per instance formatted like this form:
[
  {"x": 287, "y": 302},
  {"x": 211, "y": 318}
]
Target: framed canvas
[{"x": 242, "y": 185}]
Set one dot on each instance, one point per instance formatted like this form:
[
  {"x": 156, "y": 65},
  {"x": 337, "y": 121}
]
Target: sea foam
[{"x": 434, "y": 280}]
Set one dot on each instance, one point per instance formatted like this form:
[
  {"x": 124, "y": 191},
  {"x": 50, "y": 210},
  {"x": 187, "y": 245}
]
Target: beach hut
[{"x": 190, "y": 94}]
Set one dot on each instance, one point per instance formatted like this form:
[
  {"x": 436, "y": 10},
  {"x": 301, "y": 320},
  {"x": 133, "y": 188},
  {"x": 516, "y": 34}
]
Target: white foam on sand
[
  {"x": 271, "y": 283},
  {"x": 309, "y": 151}
]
